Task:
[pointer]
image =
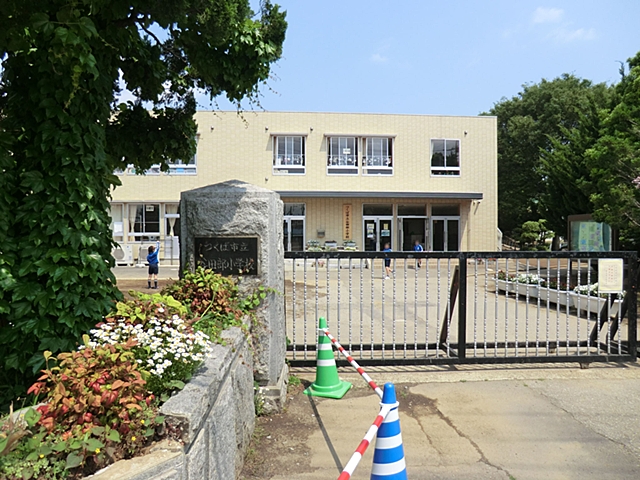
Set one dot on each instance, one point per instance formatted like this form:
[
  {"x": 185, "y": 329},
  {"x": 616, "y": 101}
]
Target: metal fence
[{"x": 460, "y": 307}]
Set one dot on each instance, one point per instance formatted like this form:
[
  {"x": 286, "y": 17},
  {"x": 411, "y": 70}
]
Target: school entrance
[{"x": 463, "y": 307}]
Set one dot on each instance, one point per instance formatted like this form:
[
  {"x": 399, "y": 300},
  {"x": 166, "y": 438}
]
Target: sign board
[
  {"x": 228, "y": 255},
  {"x": 610, "y": 275},
  {"x": 346, "y": 221},
  {"x": 370, "y": 231}
]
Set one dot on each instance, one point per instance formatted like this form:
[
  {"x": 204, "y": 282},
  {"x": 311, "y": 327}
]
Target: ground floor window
[
  {"x": 445, "y": 234},
  {"x": 445, "y": 227},
  {"x": 294, "y": 227},
  {"x": 117, "y": 222},
  {"x": 144, "y": 222}
]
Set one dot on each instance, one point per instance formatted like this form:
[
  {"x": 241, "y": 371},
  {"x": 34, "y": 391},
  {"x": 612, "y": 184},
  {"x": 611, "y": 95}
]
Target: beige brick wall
[{"x": 234, "y": 147}]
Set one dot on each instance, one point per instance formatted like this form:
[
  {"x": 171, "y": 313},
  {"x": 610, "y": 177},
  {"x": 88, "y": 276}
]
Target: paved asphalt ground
[
  {"x": 135, "y": 273},
  {"x": 484, "y": 422},
  {"x": 479, "y": 422}
]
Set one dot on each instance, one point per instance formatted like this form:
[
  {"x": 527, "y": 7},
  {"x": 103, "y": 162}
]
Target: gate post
[
  {"x": 632, "y": 293},
  {"x": 462, "y": 308}
]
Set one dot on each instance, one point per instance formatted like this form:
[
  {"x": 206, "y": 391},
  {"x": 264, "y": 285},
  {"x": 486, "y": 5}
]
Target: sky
[{"x": 456, "y": 57}]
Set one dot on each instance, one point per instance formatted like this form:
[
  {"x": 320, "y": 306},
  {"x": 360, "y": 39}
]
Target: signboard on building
[
  {"x": 346, "y": 221},
  {"x": 228, "y": 255}
]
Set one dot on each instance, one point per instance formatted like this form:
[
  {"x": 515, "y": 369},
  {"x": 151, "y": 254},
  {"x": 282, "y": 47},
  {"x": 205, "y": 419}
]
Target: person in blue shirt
[
  {"x": 418, "y": 248},
  {"x": 152, "y": 260},
  {"x": 387, "y": 262}
]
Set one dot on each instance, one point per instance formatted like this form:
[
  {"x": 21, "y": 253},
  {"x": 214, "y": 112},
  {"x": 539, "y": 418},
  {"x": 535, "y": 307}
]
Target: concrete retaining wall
[{"x": 215, "y": 416}]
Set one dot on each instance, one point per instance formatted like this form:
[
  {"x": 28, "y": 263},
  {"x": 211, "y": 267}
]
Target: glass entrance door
[
  {"x": 412, "y": 229},
  {"x": 445, "y": 234},
  {"x": 293, "y": 234},
  {"x": 377, "y": 232}
]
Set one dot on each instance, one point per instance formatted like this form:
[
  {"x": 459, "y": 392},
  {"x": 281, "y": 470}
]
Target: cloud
[
  {"x": 547, "y": 15},
  {"x": 566, "y": 36},
  {"x": 377, "y": 58}
]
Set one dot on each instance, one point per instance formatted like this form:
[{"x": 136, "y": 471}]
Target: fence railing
[{"x": 461, "y": 307}]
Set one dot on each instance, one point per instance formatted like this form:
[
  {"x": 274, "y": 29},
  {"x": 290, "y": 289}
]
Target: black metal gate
[{"x": 463, "y": 307}]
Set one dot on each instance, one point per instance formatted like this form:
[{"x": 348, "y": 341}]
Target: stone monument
[{"x": 235, "y": 228}]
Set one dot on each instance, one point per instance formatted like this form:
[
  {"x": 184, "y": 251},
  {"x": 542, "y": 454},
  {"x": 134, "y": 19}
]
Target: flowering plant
[
  {"x": 165, "y": 346},
  {"x": 522, "y": 278},
  {"x": 593, "y": 291},
  {"x": 530, "y": 278}
]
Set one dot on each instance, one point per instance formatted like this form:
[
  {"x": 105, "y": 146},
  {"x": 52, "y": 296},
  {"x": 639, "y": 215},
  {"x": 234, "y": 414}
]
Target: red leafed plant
[
  {"x": 97, "y": 386},
  {"x": 97, "y": 409}
]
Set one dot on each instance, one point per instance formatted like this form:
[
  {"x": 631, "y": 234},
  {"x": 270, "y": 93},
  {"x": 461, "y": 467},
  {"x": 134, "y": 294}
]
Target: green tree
[
  {"x": 530, "y": 125},
  {"x": 614, "y": 160},
  {"x": 63, "y": 133},
  {"x": 564, "y": 168}
]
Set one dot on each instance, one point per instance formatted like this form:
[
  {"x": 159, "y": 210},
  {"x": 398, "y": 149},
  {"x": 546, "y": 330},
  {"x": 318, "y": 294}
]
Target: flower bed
[
  {"x": 101, "y": 403},
  {"x": 584, "y": 298}
]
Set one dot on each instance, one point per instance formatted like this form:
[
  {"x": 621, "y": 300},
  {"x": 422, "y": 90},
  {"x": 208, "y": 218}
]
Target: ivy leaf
[{"x": 38, "y": 20}]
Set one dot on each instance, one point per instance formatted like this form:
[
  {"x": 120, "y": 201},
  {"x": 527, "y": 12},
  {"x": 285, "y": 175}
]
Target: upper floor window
[
  {"x": 445, "y": 157},
  {"x": 378, "y": 158},
  {"x": 288, "y": 155},
  {"x": 342, "y": 155}
]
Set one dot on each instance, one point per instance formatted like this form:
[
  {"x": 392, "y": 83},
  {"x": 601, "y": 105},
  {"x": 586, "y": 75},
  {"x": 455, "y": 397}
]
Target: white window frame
[
  {"x": 345, "y": 160},
  {"x": 288, "y": 218},
  {"x": 117, "y": 237},
  {"x": 136, "y": 236},
  {"x": 445, "y": 171},
  {"x": 289, "y": 163},
  {"x": 377, "y": 164}
]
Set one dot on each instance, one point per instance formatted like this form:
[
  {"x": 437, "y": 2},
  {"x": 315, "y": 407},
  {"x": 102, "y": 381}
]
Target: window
[
  {"x": 144, "y": 221},
  {"x": 152, "y": 170},
  {"x": 117, "y": 224},
  {"x": 375, "y": 210},
  {"x": 445, "y": 157},
  {"x": 412, "y": 210},
  {"x": 445, "y": 210},
  {"x": 294, "y": 209},
  {"x": 294, "y": 227},
  {"x": 342, "y": 156},
  {"x": 288, "y": 155},
  {"x": 378, "y": 159}
]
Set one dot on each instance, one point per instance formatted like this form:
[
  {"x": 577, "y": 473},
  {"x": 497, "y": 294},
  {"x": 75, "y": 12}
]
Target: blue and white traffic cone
[{"x": 388, "y": 457}]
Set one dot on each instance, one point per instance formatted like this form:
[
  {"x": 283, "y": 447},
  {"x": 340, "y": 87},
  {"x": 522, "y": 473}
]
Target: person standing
[
  {"x": 387, "y": 262},
  {"x": 418, "y": 248},
  {"x": 152, "y": 260}
]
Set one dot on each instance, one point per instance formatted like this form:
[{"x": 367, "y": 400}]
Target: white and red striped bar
[
  {"x": 357, "y": 455},
  {"x": 344, "y": 352}
]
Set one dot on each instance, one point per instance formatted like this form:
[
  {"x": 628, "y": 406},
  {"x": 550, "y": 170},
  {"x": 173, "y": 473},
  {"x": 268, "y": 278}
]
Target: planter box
[
  {"x": 559, "y": 297},
  {"x": 518, "y": 288},
  {"x": 215, "y": 413},
  {"x": 592, "y": 304}
]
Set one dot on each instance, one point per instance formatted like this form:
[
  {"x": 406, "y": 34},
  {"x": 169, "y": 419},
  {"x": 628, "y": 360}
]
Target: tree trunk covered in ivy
[{"x": 62, "y": 134}]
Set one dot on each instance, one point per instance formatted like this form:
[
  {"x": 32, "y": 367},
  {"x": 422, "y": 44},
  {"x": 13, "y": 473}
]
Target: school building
[{"x": 367, "y": 179}]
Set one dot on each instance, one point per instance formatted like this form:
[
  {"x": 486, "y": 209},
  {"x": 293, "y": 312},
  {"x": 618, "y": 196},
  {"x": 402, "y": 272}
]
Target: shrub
[
  {"x": 214, "y": 301},
  {"x": 97, "y": 411},
  {"x": 165, "y": 345}
]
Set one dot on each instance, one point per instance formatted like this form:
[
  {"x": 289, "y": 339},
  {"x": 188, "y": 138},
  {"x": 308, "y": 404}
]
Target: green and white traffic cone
[{"x": 327, "y": 383}]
